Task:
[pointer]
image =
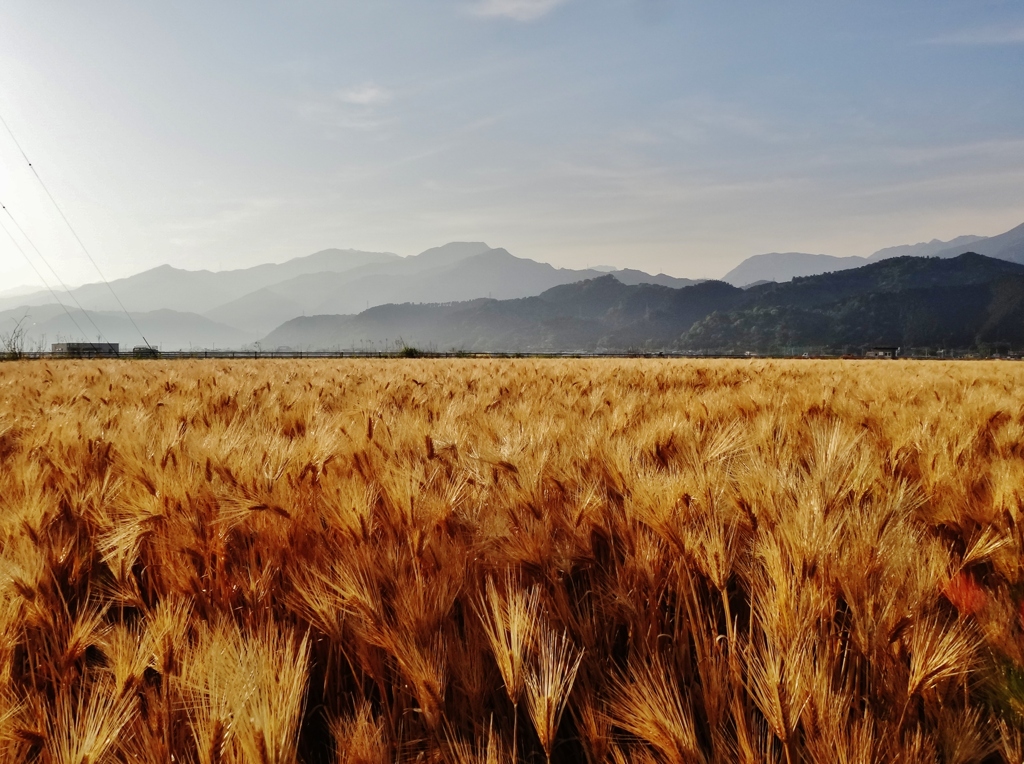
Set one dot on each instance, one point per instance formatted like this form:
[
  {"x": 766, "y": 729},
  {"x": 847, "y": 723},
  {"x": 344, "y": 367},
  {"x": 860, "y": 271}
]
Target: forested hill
[
  {"x": 961, "y": 303},
  {"x": 967, "y": 302}
]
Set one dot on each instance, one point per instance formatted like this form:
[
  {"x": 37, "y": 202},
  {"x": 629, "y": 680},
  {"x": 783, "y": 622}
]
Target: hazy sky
[{"x": 666, "y": 135}]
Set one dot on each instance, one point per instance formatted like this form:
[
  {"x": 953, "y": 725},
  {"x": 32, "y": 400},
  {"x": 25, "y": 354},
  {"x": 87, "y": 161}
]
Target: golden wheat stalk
[
  {"x": 509, "y": 622},
  {"x": 757, "y": 560},
  {"x": 650, "y": 705},
  {"x": 548, "y": 684}
]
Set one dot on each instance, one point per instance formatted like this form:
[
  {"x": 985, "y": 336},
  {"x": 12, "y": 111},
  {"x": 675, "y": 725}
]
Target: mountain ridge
[
  {"x": 893, "y": 300},
  {"x": 197, "y": 290},
  {"x": 783, "y": 266},
  {"x": 256, "y": 300},
  {"x": 1005, "y": 246}
]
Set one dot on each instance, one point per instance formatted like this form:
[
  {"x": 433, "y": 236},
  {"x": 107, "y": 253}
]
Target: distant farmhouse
[
  {"x": 883, "y": 352},
  {"x": 85, "y": 349}
]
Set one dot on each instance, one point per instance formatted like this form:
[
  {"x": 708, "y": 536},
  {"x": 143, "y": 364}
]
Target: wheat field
[{"x": 493, "y": 560}]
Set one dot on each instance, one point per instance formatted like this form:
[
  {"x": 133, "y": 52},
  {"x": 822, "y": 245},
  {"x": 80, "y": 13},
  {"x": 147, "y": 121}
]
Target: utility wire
[
  {"x": 55, "y": 275},
  {"x": 40, "y": 276},
  {"x": 72, "y": 229}
]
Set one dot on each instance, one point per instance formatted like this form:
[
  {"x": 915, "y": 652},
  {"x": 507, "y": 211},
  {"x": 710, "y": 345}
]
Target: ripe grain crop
[{"x": 479, "y": 560}]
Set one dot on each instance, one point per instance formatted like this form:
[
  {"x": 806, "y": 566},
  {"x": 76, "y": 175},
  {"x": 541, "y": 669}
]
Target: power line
[
  {"x": 72, "y": 229},
  {"x": 40, "y": 276},
  {"x": 55, "y": 274}
]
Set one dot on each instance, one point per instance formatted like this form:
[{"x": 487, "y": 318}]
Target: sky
[{"x": 666, "y": 135}]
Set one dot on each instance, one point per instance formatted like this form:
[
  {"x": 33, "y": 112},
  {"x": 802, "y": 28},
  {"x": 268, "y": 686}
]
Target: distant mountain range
[
  {"x": 166, "y": 287},
  {"x": 783, "y": 266},
  {"x": 965, "y": 302},
  {"x": 164, "y": 329},
  {"x": 341, "y": 298},
  {"x": 186, "y": 309}
]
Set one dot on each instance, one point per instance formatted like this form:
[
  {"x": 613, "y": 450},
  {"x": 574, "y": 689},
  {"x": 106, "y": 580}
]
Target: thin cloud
[
  {"x": 355, "y": 108},
  {"x": 367, "y": 94},
  {"x": 982, "y": 36},
  {"x": 518, "y": 10}
]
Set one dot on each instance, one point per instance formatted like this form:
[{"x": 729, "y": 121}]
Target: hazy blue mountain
[
  {"x": 303, "y": 294},
  {"x": 783, "y": 266},
  {"x": 957, "y": 303},
  {"x": 927, "y": 248},
  {"x": 1005, "y": 246},
  {"x": 200, "y": 291},
  {"x": 18, "y": 291},
  {"x": 260, "y": 311},
  {"x": 166, "y": 329},
  {"x": 447, "y": 254},
  {"x": 455, "y": 272},
  {"x": 494, "y": 273},
  {"x": 255, "y": 300}
]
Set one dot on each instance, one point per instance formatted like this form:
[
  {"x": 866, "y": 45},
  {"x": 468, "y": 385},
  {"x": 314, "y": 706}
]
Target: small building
[
  {"x": 85, "y": 349},
  {"x": 883, "y": 352}
]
